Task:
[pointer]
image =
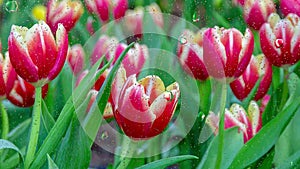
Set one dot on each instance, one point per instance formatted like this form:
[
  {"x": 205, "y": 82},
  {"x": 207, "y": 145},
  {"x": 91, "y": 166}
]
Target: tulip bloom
[
  {"x": 290, "y": 6},
  {"x": 256, "y": 12},
  {"x": 143, "y": 108},
  {"x": 227, "y": 52},
  {"x": 103, "y": 8},
  {"x": 134, "y": 19},
  {"x": 249, "y": 123},
  {"x": 23, "y": 93},
  {"x": 190, "y": 54},
  {"x": 35, "y": 55},
  {"x": 280, "y": 40},
  {"x": 259, "y": 67},
  {"x": 76, "y": 58},
  {"x": 66, "y": 12},
  {"x": 7, "y": 76}
]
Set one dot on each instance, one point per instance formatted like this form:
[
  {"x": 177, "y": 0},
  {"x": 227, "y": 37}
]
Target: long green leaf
[
  {"x": 5, "y": 144},
  {"x": 167, "y": 162},
  {"x": 47, "y": 117},
  {"x": 265, "y": 139},
  {"x": 19, "y": 130},
  {"x": 60, "y": 127},
  {"x": 74, "y": 146}
]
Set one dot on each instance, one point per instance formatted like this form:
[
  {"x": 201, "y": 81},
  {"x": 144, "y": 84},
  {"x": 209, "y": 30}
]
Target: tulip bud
[
  {"x": 134, "y": 60},
  {"x": 249, "y": 123},
  {"x": 134, "y": 21},
  {"x": 259, "y": 67},
  {"x": 34, "y": 53},
  {"x": 144, "y": 108},
  {"x": 104, "y": 46},
  {"x": 23, "y": 93},
  {"x": 7, "y": 76},
  {"x": 103, "y": 8},
  {"x": 76, "y": 59},
  {"x": 227, "y": 52},
  {"x": 290, "y": 6},
  {"x": 280, "y": 40},
  {"x": 190, "y": 54},
  {"x": 256, "y": 12},
  {"x": 66, "y": 12}
]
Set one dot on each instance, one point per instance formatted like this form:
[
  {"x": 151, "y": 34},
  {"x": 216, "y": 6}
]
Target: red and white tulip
[
  {"x": 143, "y": 108},
  {"x": 190, "y": 54},
  {"x": 227, "y": 52},
  {"x": 23, "y": 93},
  {"x": 66, "y": 12},
  {"x": 259, "y": 67},
  {"x": 249, "y": 123},
  {"x": 280, "y": 40},
  {"x": 34, "y": 53},
  {"x": 256, "y": 12}
]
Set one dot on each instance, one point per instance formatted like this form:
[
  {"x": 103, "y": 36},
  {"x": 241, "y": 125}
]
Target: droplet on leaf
[{"x": 11, "y": 6}]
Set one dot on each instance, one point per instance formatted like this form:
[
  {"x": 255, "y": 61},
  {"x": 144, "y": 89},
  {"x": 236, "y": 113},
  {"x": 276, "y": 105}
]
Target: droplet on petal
[
  {"x": 182, "y": 40},
  {"x": 278, "y": 43}
]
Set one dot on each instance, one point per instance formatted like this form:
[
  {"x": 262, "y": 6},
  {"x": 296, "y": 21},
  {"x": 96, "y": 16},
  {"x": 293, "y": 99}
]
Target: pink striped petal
[{"x": 19, "y": 55}]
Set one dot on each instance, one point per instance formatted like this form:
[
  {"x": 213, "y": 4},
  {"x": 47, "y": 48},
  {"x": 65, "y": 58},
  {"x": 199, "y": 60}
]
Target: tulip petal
[
  {"x": 19, "y": 55},
  {"x": 254, "y": 117},
  {"x": 62, "y": 46},
  {"x": 154, "y": 87}
]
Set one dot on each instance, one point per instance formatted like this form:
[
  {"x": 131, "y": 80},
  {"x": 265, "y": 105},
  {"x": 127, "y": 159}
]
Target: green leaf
[
  {"x": 74, "y": 151},
  {"x": 233, "y": 141},
  {"x": 60, "y": 127},
  {"x": 47, "y": 117},
  {"x": 264, "y": 140},
  {"x": 267, "y": 161},
  {"x": 291, "y": 162},
  {"x": 51, "y": 164},
  {"x": 167, "y": 162},
  {"x": 5, "y": 144},
  {"x": 288, "y": 143},
  {"x": 19, "y": 130}
]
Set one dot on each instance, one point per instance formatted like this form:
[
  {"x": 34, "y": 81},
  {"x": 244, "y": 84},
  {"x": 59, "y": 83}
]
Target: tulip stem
[
  {"x": 221, "y": 125},
  {"x": 5, "y": 122},
  {"x": 35, "y": 127},
  {"x": 285, "y": 89},
  {"x": 128, "y": 148}
]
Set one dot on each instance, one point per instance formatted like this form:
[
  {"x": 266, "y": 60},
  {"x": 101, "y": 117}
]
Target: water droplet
[
  {"x": 104, "y": 135},
  {"x": 11, "y": 6},
  {"x": 196, "y": 17},
  {"x": 278, "y": 43},
  {"x": 182, "y": 40}
]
